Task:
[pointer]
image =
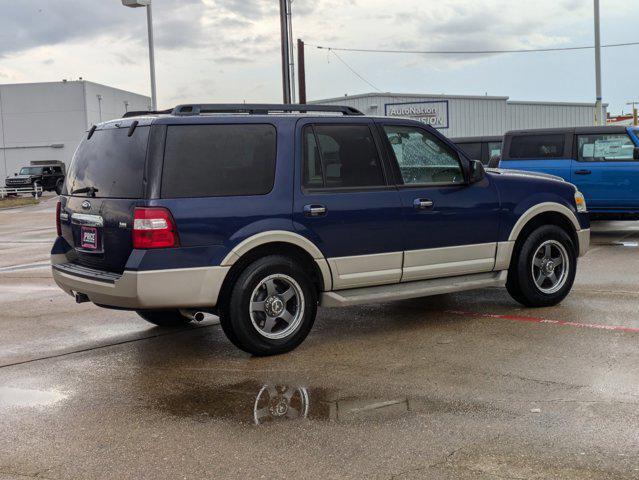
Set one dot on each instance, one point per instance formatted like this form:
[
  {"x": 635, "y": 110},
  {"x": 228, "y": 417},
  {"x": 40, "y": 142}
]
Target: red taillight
[
  {"x": 154, "y": 227},
  {"x": 58, "y": 226}
]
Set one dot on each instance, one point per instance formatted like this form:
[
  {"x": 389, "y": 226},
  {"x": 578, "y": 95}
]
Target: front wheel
[
  {"x": 271, "y": 308},
  {"x": 543, "y": 269},
  {"x": 58, "y": 186},
  {"x": 164, "y": 318}
]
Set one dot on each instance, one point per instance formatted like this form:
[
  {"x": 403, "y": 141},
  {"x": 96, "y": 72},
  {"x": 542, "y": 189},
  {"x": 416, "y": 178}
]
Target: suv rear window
[
  {"x": 111, "y": 163},
  {"x": 341, "y": 156},
  {"x": 537, "y": 146},
  {"x": 219, "y": 160}
]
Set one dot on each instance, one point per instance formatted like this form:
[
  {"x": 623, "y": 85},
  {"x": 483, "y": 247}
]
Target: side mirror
[
  {"x": 635, "y": 153},
  {"x": 477, "y": 172}
]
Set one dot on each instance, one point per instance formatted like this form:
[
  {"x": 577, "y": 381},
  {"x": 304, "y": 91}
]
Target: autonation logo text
[{"x": 434, "y": 114}]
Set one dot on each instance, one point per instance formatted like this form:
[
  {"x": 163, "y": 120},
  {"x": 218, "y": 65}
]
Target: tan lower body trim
[
  {"x": 178, "y": 288},
  {"x": 448, "y": 261},
  {"x": 365, "y": 270}
]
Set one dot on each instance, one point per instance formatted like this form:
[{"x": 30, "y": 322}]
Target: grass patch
[{"x": 11, "y": 202}]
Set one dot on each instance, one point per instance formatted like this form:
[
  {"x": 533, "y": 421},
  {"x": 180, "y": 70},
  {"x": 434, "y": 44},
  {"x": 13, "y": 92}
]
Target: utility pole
[
  {"x": 291, "y": 53},
  {"x": 635, "y": 120},
  {"x": 301, "y": 75},
  {"x": 599, "y": 120},
  {"x": 286, "y": 50}
]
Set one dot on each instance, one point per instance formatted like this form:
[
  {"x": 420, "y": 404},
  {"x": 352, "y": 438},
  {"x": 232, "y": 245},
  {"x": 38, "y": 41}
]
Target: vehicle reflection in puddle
[
  {"x": 250, "y": 402},
  {"x": 23, "y": 398}
]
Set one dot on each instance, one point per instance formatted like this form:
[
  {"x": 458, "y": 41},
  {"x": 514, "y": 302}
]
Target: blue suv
[
  {"x": 262, "y": 213},
  {"x": 603, "y": 162}
]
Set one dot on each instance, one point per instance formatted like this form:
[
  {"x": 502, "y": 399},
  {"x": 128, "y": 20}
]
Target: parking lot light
[{"x": 149, "y": 18}]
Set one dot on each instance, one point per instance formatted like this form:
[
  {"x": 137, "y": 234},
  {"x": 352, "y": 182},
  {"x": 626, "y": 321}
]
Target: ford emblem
[{"x": 86, "y": 205}]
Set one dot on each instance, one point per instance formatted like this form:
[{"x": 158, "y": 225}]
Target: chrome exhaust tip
[{"x": 193, "y": 315}]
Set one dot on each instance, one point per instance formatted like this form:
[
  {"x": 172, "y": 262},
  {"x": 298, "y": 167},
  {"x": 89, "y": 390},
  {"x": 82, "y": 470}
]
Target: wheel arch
[
  {"x": 547, "y": 213},
  {"x": 280, "y": 243}
]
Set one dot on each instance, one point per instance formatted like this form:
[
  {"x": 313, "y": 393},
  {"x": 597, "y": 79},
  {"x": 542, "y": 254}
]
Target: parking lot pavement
[{"x": 451, "y": 387}]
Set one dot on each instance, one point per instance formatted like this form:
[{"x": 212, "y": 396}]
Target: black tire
[
  {"x": 36, "y": 194},
  {"x": 164, "y": 318},
  {"x": 247, "y": 329},
  {"x": 521, "y": 282},
  {"x": 58, "y": 187}
]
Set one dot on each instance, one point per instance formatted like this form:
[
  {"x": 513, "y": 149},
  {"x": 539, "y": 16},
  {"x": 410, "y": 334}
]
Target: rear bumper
[
  {"x": 176, "y": 288},
  {"x": 584, "y": 241}
]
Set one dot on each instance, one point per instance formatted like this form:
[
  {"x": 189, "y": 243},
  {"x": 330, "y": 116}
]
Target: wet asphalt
[{"x": 459, "y": 386}]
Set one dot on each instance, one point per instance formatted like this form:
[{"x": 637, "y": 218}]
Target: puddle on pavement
[
  {"x": 258, "y": 404},
  {"x": 24, "y": 398}
]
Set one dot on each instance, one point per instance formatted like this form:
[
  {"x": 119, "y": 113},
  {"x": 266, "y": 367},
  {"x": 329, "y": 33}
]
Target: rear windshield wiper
[{"x": 90, "y": 191}]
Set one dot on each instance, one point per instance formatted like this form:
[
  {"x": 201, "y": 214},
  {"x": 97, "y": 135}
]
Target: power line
[
  {"x": 353, "y": 70},
  {"x": 470, "y": 52}
]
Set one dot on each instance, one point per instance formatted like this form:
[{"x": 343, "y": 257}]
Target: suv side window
[
  {"x": 423, "y": 159},
  {"x": 537, "y": 146},
  {"x": 218, "y": 160},
  {"x": 605, "y": 148},
  {"x": 341, "y": 156}
]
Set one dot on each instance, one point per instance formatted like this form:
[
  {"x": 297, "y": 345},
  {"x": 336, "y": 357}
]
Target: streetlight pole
[
  {"x": 149, "y": 21},
  {"x": 599, "y": 120},
  {"x": 286, "y": 61}
]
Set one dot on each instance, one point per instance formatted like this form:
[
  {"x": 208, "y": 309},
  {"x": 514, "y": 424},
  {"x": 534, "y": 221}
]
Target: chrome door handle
[
  {"x": 582, "y": 172},
  {"x": 422, "y": 203},
  {"x": 314, "y": 210}
]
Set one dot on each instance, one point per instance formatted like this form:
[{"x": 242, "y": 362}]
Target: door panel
[
  {"x": 450, "y": 227},
  {"x": 344, "y": 205},
  {"x": 605, "y": 171}
]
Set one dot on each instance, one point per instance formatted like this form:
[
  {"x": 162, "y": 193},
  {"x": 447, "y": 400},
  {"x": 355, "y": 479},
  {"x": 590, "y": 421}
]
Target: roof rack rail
[
  {"x": 142, "y": 113},
  {"x": 260, "y": 109}
]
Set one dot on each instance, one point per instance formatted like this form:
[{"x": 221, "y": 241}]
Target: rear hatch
[{"x": 104, "y": 185}]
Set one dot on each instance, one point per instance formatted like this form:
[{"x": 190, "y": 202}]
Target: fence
[{"x": 6, "y": 191}]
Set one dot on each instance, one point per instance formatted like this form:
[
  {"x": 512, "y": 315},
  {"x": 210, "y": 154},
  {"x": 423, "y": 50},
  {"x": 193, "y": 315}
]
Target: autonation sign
[{"x": 433, "y": 113}]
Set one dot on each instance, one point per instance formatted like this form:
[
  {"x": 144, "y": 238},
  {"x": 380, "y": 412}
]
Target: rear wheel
[
  {"x": 271, "y": 308},
  {"x": 164, "y": 318},
  {"x": 543, "y": 270}
]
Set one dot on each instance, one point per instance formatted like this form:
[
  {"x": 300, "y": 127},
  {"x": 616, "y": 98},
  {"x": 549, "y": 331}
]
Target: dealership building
[
  {"x": 470, "y": 116},
  {"x": 46, "y": 121}
]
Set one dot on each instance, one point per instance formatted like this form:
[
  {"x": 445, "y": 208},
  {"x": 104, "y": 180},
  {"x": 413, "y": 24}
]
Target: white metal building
[
  {"x": 46, "y": 121},
  {"x": 469, "y": 116}
]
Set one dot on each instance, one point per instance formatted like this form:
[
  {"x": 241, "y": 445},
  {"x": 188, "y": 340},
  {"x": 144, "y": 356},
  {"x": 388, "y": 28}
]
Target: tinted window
[
  {"x": 341, "y": 156},
  {"x": 31, "y": 171},
  {"x": 537, "y": 146},
  {"x": 602, "y": 148},
  {"x": 110, "y": 162},
  {"x": 218, "y": 160},
  {"x": 423, "y": 158},
  {"x": 472, "y": 150}
]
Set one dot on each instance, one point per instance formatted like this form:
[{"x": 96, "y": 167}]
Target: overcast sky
[{"x": 228, "y": 50}]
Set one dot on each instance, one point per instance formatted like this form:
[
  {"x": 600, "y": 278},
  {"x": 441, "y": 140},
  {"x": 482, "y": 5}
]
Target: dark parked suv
[
  {"x": 48, "y": 175},
  {"x": 260, "y": 213}
]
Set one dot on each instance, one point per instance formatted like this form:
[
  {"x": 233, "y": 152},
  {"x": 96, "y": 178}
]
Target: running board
[{"x": 421, "y": 288}]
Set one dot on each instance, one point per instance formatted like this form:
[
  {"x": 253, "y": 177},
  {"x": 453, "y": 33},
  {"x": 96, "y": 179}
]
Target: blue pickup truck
[
  {"x": 262, "y": 213},
  {"x": 602, "y": 162}
]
